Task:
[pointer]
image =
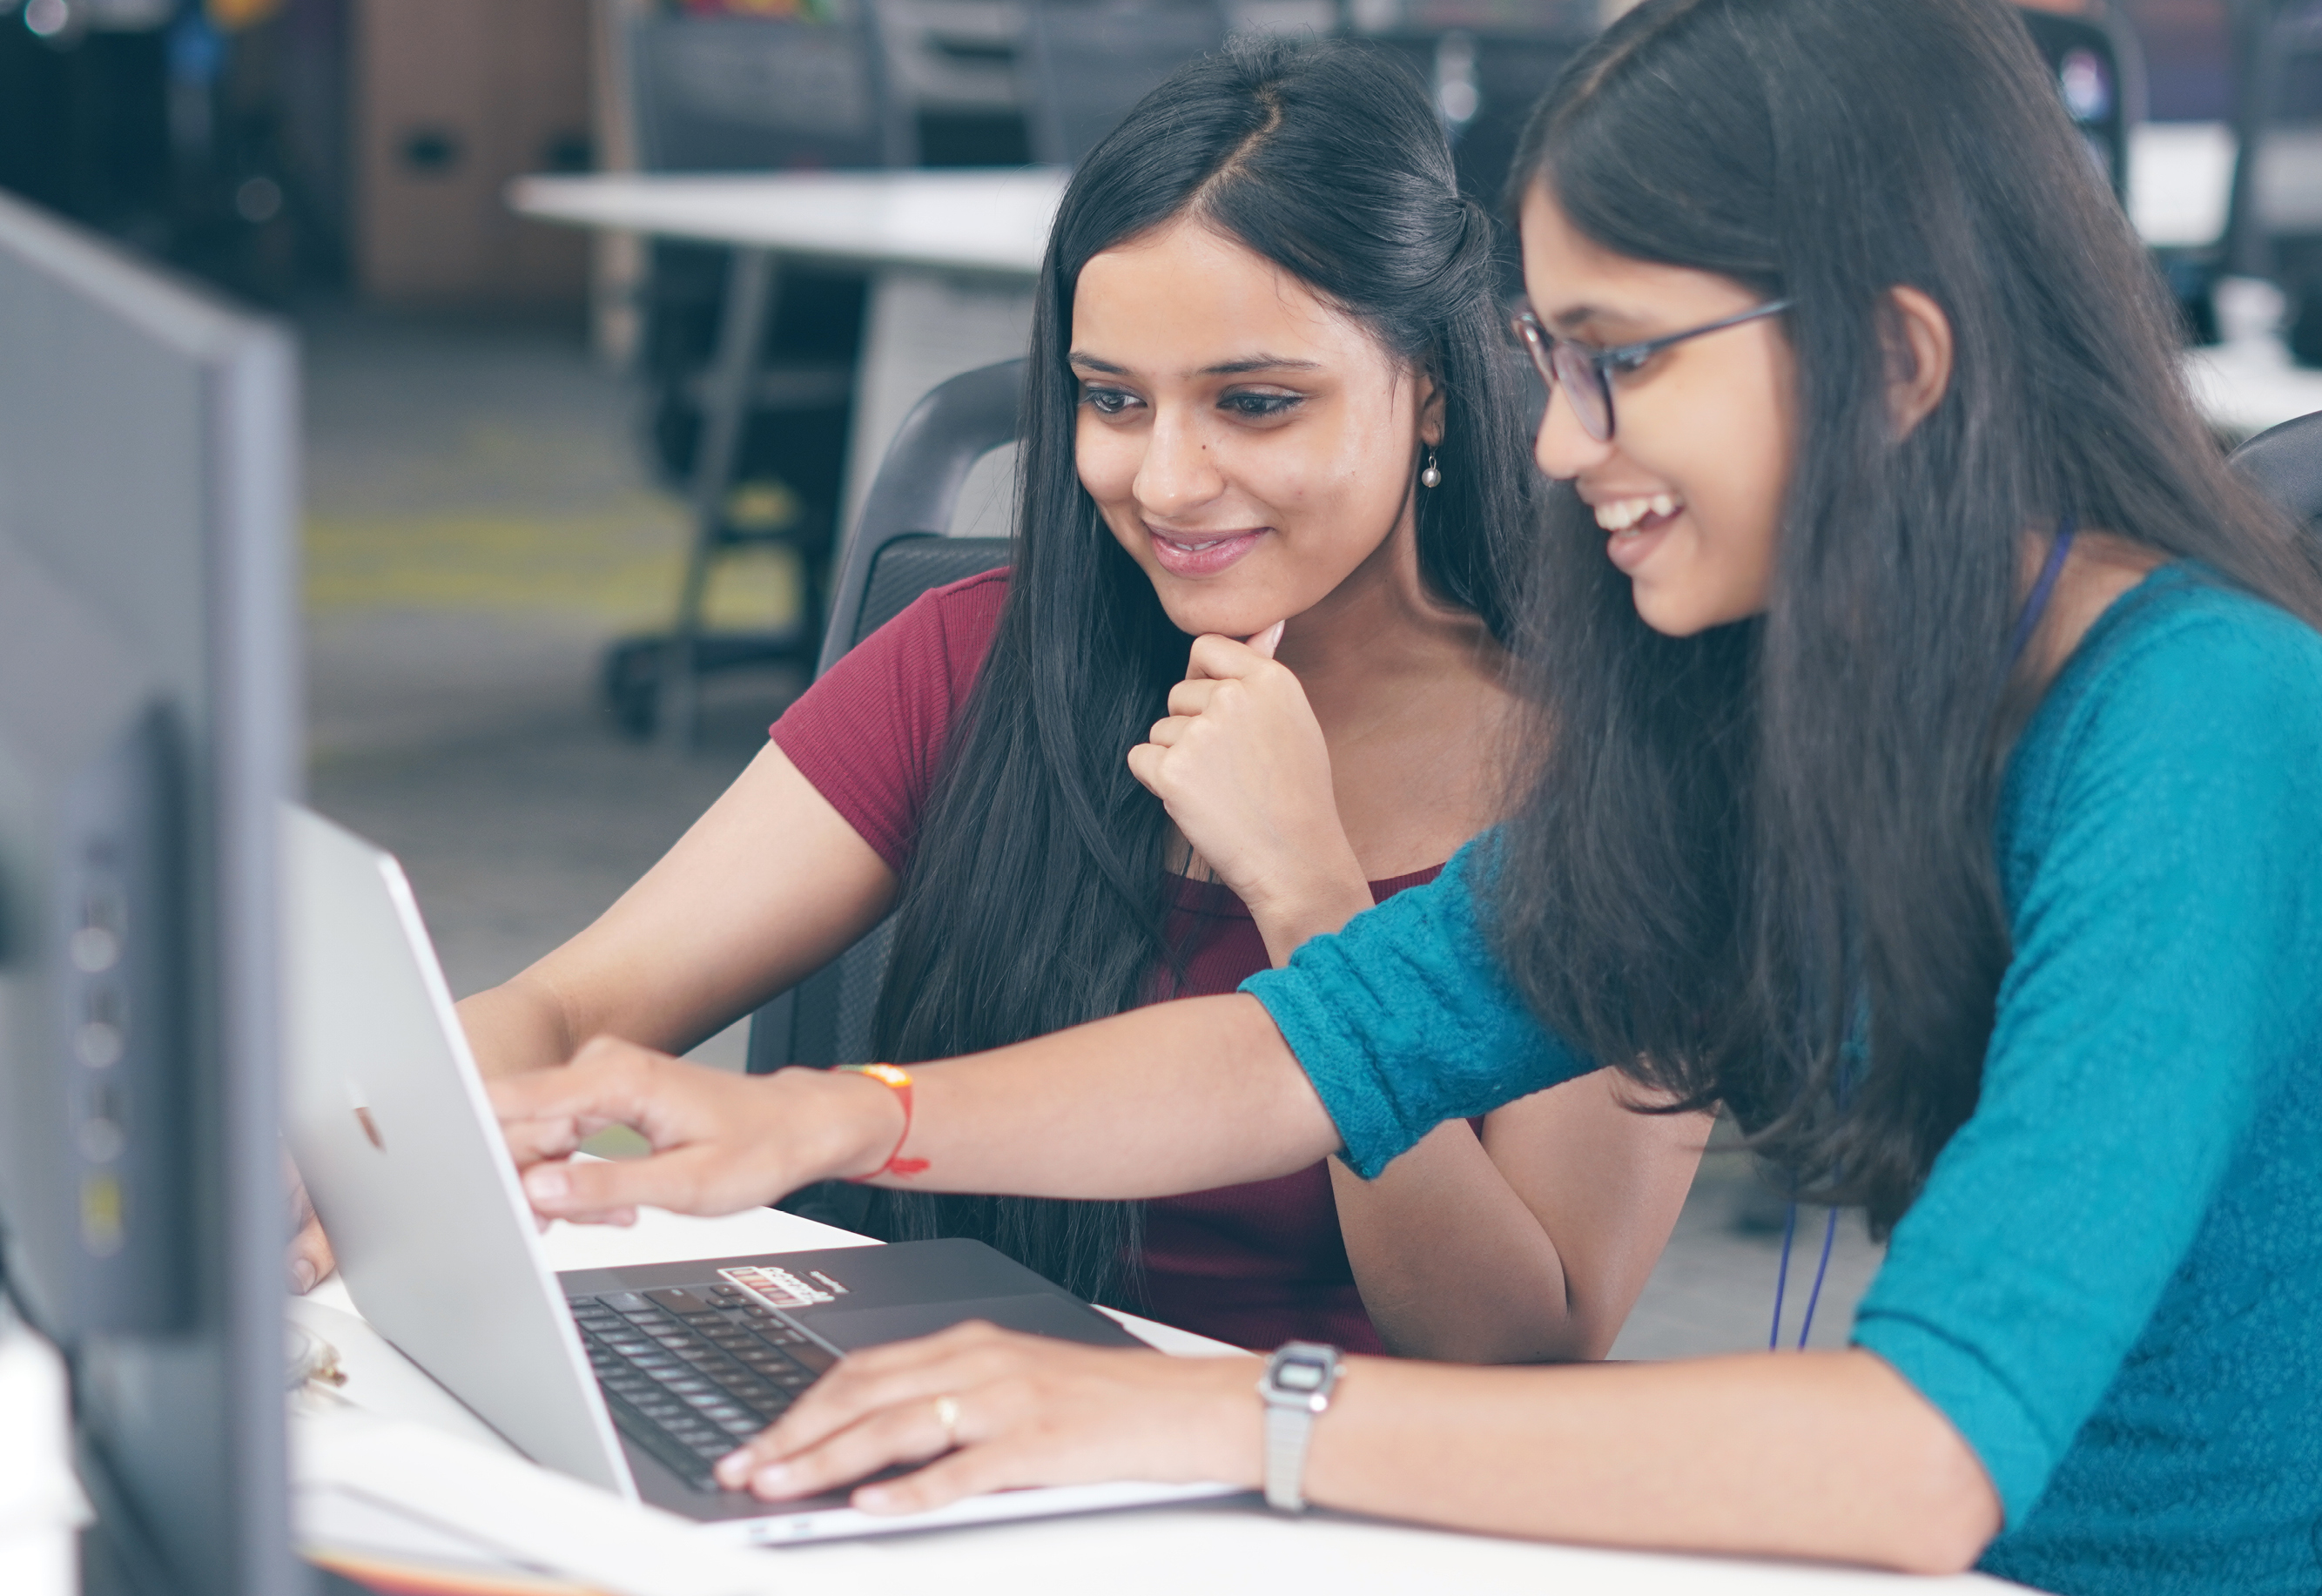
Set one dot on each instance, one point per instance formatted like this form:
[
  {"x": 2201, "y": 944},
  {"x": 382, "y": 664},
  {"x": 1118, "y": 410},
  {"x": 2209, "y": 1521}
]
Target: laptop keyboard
[{"x": 689, "y": 1375}]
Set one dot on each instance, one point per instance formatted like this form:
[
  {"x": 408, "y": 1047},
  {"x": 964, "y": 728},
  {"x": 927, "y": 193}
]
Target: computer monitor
[{"x": 148, "y": 738}]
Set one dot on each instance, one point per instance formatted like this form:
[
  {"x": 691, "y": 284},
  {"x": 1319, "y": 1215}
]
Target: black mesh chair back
[
  {"x": 2274, "y": 229},
  {"x": 2084, "y": 57},
  {"x": 761, "y": 94},
  {"x": 2285, "y": 463},
  {"x": 898, "y": 552},
  {"x": 1086, "y": 62},
  {"x": 1485, "y": 85}
]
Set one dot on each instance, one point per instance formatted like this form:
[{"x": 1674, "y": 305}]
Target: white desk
[
  {"x": 993, "y": 221},
  {"x": 953, "y": 255},
  {"x": 42, "y": 1508},
  {"x": 1218, "y": 1550},
  {"x": 2180, "y": 175}
]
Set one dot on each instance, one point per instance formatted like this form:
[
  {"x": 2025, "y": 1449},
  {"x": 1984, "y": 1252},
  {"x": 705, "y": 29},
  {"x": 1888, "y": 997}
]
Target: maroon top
[{"x": 1255, "y": 1265}]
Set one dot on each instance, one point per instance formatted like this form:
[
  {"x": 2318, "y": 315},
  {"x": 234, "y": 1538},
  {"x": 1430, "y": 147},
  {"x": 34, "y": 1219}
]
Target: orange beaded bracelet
[{"x": 900, "y": 1082}]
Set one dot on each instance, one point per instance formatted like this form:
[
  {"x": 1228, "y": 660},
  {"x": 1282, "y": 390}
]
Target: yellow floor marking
[{"x": 620, "y": 563}]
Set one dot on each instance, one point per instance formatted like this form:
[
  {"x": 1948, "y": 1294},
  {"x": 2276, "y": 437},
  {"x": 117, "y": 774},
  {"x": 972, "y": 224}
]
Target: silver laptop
[{"x": 635, "y": 1380}]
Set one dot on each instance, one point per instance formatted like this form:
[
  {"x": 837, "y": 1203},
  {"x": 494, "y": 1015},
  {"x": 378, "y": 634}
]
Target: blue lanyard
[
  {"x": 2035, "y": 605},
  {"x": 1789, "y": 1232}
]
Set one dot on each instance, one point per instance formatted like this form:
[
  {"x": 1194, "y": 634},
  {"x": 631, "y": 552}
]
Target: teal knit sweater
[{"x": 2112, "y": 1282}]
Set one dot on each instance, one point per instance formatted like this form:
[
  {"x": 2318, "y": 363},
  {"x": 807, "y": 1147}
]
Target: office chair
[
  {"x": 1485, "y": 85},
  {"x": 751, "y": 371},
  {"x": 2284, "y": 463},
  {"x": 1086, "y": 62},
  {"x": 899, "y": 551},
  {"x": 957, "y": 67},
  {"x": 2099, "y": 77},
  {"x": 2274, "y": 229}
]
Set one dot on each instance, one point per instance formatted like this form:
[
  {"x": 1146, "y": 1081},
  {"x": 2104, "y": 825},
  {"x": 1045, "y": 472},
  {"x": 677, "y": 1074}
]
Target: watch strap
[
  {"x": 1287, "y": 1432},
  {"x": 1290, "y": 1414}
]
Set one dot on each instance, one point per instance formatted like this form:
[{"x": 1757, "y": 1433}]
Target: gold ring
[{"x": 947, "y": 1416}]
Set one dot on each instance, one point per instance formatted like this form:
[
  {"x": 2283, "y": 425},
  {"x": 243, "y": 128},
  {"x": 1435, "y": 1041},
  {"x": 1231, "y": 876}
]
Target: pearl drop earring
[{"x": 1432, "y": 474}]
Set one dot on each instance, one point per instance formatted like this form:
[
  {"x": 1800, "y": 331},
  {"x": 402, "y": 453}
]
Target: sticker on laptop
[{"x": 778, "y": 1287}]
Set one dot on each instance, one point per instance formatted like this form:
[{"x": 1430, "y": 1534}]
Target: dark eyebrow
[
  {"x": 1260, "y": 362},
  {"x": 1580, "y": 315},
  {"x": 1232, "y": 367}
]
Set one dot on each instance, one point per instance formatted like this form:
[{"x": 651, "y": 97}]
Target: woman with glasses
[
  {"x": 1933, "y": 776},
  {"x": 1272, "y": 399}
]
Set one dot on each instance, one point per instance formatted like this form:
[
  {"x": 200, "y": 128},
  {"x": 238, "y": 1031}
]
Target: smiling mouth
[
  {"x": 1633, "y": 518},
  {"x": 1201, "y": 554}
]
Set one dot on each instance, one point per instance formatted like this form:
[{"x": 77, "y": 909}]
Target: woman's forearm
[
  {"x": 1314, "y": 907},
  {"x": 1531, "y": 1245},
  {"x": 1828, "y": 1456},
  {"x": 1824, "y": 1455},
  {"x": 518, "y": 1025},
  {"x": 1179, "y": 1097},
  {"x": 1450, "y": 1263},
  {"x": 762, "y": 890},
  {"x": 1182, "y": 1096}
]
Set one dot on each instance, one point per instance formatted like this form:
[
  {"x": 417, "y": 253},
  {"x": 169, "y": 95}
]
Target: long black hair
[
  {"x": 1758, "y": 867},
  {"x": 1036, "y": 896}
]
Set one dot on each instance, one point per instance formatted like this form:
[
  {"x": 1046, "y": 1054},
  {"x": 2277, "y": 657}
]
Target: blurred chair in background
[
  {"x": 1485, "y": 85},
  {"x": 2275, "y": 227},
  {"x": 2285, "y": 463},
  {"x": 756, "y": 93},
  {"x": 954, "y": 66},
  {"x": 1085, "y": 62},
  {"x": 751, "y": 373},
  {"x": 897, "y": 551},
  {"x": 2099, "y": 74}
]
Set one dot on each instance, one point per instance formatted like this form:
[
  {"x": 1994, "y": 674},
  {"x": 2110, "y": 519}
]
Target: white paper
[{"x": 42, "y": 1506}]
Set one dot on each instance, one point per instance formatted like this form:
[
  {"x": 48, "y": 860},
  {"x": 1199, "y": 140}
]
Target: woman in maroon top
[{"x": 1245, "y": 679}]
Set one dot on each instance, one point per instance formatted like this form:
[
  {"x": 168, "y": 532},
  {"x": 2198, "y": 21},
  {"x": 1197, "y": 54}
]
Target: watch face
[{"x": 1300, "y": 1376}]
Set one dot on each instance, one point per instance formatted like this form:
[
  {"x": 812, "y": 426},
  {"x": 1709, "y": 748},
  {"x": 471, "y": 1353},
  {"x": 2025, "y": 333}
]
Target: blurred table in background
[
  {"x": 953, "y": 253},
  {"x": 2181, "y": 176},
  {"x": 2180, "y": 181}
]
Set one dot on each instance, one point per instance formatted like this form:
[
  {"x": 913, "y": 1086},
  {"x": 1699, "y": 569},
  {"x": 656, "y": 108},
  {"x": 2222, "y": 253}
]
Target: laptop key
[
  {"x": 678, "y": 1300},
  {"x": 676, "y": 1388},
  {"x": 679, "y": 1457}
]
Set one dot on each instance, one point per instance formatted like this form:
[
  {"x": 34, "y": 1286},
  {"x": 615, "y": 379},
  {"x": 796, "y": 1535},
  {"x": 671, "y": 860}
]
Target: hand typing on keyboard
[{"x": 989, "y": 1409}]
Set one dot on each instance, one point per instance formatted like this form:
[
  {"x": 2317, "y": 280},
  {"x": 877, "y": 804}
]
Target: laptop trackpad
[{"x": 853, "y": 1329}]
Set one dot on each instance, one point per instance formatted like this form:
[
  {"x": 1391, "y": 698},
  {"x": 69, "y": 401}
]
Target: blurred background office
[{"x": 570, "y": 523}]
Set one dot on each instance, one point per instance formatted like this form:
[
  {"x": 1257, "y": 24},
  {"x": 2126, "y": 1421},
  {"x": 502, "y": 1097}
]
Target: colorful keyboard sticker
[{"x": 778, "y": 1287}]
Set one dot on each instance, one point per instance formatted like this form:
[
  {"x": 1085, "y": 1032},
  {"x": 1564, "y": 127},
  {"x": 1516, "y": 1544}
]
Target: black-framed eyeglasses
[{"x": 1586, "y": 373}]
